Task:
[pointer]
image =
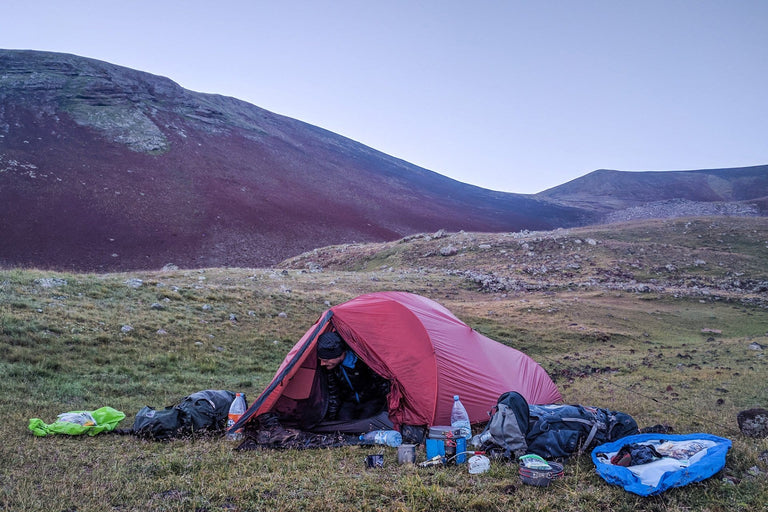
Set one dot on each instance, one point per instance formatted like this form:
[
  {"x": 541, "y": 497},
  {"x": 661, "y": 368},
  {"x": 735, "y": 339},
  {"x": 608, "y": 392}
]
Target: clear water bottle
[
  {"x": 387, "y": 437},
  {"x": 236, "y": 410},
  {"x": 460, "y": 418}
]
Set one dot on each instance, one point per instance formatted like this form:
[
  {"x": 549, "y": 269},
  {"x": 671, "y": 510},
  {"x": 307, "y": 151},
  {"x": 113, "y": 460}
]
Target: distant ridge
[
  {"x": 105, "y": 168},
  {"x": 607, "y": 190}
]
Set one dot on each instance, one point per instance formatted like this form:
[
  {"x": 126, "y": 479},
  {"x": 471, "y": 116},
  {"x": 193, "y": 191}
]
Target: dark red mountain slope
[{"x": 107, "y": 168}]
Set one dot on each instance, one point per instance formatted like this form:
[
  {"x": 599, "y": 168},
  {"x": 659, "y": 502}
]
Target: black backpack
[
  {"x": 201, "y": 413},
  {"x": 559, "y": 431}
]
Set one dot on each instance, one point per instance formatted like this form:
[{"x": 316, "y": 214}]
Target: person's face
[{"x": 330, "y": 364}]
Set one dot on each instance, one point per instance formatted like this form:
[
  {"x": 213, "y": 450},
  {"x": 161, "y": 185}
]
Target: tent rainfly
[{"x": 427, "y": 353}]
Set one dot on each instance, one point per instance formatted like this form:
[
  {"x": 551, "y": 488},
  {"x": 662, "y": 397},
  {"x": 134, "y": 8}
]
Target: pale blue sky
[{"x": 516, "y": 96}]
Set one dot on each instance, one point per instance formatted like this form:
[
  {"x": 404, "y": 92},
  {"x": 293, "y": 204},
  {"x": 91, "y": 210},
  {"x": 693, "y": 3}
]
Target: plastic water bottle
[
  {"x": 460, "y": 418},
  {"x": 387, "y": 437},
  {"x": 236, "y": 410}
]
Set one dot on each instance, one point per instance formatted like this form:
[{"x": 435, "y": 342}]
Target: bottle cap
[{"x": 455, "y": 397}]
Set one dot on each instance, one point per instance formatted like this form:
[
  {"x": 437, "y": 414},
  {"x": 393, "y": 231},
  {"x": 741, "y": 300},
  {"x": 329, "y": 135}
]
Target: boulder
[{"x": 753, "y": 422}]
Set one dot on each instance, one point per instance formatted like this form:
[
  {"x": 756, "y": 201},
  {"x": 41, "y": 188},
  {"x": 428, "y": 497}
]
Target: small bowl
[{"x": 539, "y": 477}]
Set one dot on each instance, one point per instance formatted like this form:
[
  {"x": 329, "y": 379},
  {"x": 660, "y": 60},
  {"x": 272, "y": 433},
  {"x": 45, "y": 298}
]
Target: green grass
[{"x": 63, "y": 347}]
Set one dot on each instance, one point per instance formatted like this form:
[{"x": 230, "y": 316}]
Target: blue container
[{"x": 447, "y": 448}]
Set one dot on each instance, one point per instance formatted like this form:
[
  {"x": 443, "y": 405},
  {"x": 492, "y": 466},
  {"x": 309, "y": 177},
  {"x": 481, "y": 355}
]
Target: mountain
[
  {"x": 608, "y": 191},
  {"x": 106, "y": 168}
]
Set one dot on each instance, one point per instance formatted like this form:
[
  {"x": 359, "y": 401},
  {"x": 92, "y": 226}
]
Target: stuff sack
[
  {"x": 201, "y": 413},
  {"x": 559, "y": 431},
  {"x": 505, "y": 433},
  {"x": 75, "y": 423}
]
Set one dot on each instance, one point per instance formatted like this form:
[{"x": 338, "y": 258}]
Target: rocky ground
[
  {"x": 707, "y": 257},
  {"x": 682, "y": 208}
]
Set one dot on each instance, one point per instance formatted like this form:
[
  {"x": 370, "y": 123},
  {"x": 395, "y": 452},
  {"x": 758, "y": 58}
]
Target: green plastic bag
[{"x": 76, "y": 423}]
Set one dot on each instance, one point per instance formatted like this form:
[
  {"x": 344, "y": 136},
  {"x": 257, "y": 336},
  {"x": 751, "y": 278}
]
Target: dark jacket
[{"x": 355, "y": 389}]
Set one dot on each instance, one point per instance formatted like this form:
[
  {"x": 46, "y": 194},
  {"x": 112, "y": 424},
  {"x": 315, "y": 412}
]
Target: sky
[{"x": 517, "y": 96}]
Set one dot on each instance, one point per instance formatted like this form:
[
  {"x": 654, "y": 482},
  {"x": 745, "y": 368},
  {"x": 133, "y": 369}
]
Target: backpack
[
  {"x": 204, "y": 412},
  {"x": 504, "y": 435},
  {"x": 550, "y": 431},
  {"x": 559, "y": 431}
]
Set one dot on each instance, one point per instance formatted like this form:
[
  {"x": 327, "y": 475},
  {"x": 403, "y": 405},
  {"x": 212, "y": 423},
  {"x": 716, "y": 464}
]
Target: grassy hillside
[{"x": 661, "y": 320}]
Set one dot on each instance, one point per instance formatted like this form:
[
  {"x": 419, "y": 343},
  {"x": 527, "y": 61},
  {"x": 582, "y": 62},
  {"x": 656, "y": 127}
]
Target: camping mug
[
  {"x": 406, "y": 454},
  {"x": 375, "y": 461}
]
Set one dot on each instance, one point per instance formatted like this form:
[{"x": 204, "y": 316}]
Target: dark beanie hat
[{"x": 330, "y": 346}]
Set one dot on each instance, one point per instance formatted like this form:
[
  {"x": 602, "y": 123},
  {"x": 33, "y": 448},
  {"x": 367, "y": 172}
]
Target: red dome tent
[{"x": 427, "y": 353}]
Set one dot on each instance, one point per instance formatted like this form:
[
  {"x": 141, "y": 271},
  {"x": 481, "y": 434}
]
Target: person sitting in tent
[{"x": 354, "y": 390}]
